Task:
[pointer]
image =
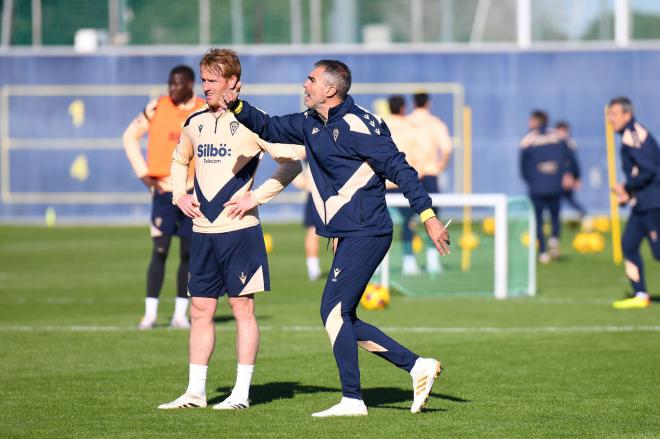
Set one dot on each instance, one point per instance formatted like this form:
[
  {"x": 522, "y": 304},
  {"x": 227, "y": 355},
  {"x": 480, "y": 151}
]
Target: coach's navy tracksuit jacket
[{"x": 350, "y": 155}]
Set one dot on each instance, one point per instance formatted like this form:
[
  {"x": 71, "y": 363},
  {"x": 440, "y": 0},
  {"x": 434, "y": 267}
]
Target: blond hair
[{"x": 222, "y": 61}]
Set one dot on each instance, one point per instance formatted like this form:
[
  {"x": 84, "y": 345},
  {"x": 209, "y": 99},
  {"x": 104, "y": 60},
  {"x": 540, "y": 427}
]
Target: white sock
[
  {"x": 642, "y": 295},
  {"x": 151, "y": 307},
  {"x": 197, "y": 380},
  {"x": 181, "y": 307},
  {"x": 313, "y": 267},
  {"x": 415, "y": 367},
  {"x": 241, "y": 390},
  {"x": 353, "y": 401}
]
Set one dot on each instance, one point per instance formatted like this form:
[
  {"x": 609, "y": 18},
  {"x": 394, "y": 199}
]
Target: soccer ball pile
[
  {"x": 601, "y": 224},
  {"x": 375, "y": 297},
  {"x": 589, "y": 242}
]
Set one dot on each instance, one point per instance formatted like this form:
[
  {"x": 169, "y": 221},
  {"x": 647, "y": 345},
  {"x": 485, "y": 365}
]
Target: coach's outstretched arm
[
  {"x": 385, "y": 158},
  {"x": 275, "y": 129}
]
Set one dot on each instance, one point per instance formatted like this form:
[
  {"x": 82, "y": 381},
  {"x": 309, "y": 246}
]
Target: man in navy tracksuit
[
  {"x": 544, "y": 159},
  {"x": 640, "y": 157},
  {"x": 350, "y": 154}
]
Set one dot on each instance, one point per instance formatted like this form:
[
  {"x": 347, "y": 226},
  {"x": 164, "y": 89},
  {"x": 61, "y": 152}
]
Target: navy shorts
[
  {"x": 309, "y": 211},
  {"x": 231, "y": 263},
  {"x": 167, "y": 218}
]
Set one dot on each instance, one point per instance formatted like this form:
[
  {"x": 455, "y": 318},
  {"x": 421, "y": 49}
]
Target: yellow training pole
[
  {"x": 614, "y": 204},
  {"x": 467, "y": 187}
]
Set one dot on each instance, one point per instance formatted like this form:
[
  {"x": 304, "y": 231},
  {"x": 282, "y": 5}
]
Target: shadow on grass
[
  {"x": 386, "y": 397},
  {"x": 230, "y": 318},
  {"x": 265, "y": 393},
  {"x": 381, "y": 397}
]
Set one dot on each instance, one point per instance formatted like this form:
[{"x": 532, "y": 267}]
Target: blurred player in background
[
  {"x": 436, "y": 148},
  {"x": 544, "y": 160},
  {"x": 640, "y": 158},
  {"x": 405, "y": 138},
  {"x": 228, "y": 254},
  {"x": 162, "y": 119},
  {"x": 311, "y": 238},
  {"x": 572, "y": 181},
  {"x": 350, "y": 153}
]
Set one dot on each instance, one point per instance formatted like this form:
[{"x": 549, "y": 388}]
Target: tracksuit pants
[
  {"x": 354, "y": 263},
  {"x": 640, "y": 225},
  {"x": 541, "y": 203}
]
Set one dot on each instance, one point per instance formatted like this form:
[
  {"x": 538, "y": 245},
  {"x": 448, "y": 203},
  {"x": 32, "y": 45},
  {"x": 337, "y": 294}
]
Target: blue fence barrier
[{"x": 63, "y": 116}]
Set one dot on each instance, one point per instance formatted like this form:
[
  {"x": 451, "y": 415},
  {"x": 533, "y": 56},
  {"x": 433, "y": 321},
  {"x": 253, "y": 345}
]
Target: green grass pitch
[{"x": 72, "y": 364}]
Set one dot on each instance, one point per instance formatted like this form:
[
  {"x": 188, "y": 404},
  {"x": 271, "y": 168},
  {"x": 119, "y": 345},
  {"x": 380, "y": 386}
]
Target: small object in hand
[{"x": 446, "y": 226}]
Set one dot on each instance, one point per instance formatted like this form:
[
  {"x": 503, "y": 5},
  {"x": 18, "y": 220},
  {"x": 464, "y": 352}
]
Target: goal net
[{"x": 493, "y": 248}]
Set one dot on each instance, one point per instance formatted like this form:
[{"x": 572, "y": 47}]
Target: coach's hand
[
  {"x": 231, "y": 93},
  {"x": 438, "y": 234},
  {"x": 240, "y": 206},
  {"x": 189, "y": 206}
]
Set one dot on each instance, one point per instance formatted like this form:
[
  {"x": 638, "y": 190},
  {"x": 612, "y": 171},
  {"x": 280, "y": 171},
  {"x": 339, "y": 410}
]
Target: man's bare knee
[
  {"x": 242, "y": 307},
  {"x": 202, "y": 309}
]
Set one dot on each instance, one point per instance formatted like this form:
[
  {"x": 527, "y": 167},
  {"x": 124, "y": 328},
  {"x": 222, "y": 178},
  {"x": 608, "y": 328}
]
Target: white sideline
[
  {"x": 512, "y": 301},
  {"x": 402, "y": 329}
]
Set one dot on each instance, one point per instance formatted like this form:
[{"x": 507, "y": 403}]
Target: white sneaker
[
  {"x": 346, "y": 407},
  {"x": 424, "y": 373},
  {"x": 147, "y": 322},
  {"x": 180, "y": 323},
  {"x": 185, "y": 401},
  {"x": 544, "y": 258},
  {"x": 410, "y": 267},
  {"x": 229, "y": 404},
  {"x": 433, "y": 261}
]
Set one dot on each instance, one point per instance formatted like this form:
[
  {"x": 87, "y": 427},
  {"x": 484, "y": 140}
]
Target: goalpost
[{"x": 503, "y": 254}]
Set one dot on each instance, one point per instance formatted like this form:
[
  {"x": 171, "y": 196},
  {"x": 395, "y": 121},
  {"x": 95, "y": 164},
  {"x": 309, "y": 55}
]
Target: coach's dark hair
[
  {"x": 185, "y": 71},
  {"x": 541, "y": 116},
  {"x": 336, "y": 74},
  {"x": 626, "y": 104},
  {"x": 563, "y": 125},
  {"x": 396, "y": 103},
  {"x": 421, "y": 99}
]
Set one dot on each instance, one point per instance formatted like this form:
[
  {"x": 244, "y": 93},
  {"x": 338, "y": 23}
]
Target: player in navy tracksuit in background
[
  {"x": 350, "y": 154},
  {"x": 544, "y": 159},
  {"x": 572, "y": 181},
  {"x": 640, "y": 159}
]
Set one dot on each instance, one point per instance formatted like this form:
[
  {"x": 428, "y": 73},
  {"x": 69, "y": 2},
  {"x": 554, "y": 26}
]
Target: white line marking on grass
[
  {"x": 93, "y": 328},
  {"x": 403, "y": 329},
  {"x": 495, "y": 329},
  {"x": 516, "y": 300},
  {"x": 569, "y": 301},
  {"x": 90, "y": 301}
]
